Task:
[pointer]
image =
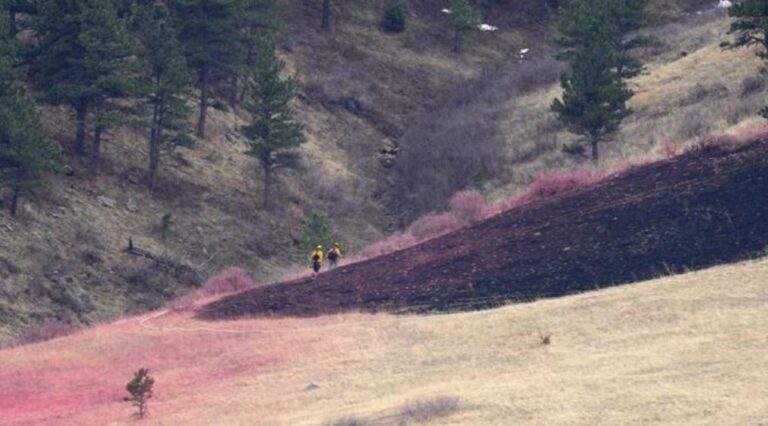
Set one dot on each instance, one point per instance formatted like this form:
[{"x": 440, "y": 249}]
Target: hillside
[
  {"x": 372, "y": 103},
  {"x": 687, "y": 213},
  {"x": 687, "y": 349}
]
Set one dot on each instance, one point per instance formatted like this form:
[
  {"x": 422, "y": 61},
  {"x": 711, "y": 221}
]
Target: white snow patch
[
  {"x": 724, "y": 4},
  {"x": 446, "y": 11},
  {"x": 486, "y": 27}
]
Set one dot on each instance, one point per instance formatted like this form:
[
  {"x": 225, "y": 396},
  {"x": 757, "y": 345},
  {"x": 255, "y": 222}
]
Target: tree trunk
[
  {"x": 98, "y": 129},
  {"x": 267, "y": 186},
  {"x": 81, "y": 109},
  {"x": 326, "y": 15},
  {"x": 12, "y": 23},
  {"x": 203, "y": 102},
  {"x": 595, "y": 153},
  {"x": 234, "y": 93},
  {"x": 457, "y": 41},
  {"x": 154, "y": 148},
  {"x": 15, "y": 200}
]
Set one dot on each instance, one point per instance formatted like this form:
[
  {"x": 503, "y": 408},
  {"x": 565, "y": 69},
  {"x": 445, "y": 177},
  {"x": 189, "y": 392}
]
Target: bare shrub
[
  {"x": 349, "y": 421},
  {"x": 700, "y": 93},
  {"x": 431, "y": 408},
  {"x": 228, "y": 281},
  {"x": 545, "y": 338},
  {"x": 44, "y": 330},
  {"x": 231, "y": 280},
  {"x": 468, "y": 206},
  {"x": 432, "y": 225},
  {"x": 393, "y": 243},
  {"x": 751, "y": 85},
  {"x": 559, "y": 181}
]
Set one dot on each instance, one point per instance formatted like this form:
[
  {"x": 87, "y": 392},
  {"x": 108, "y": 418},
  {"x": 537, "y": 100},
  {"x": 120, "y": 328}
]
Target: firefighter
[
  {"x": 317, "y": 257},
  {"x": 334, "y": 255}
]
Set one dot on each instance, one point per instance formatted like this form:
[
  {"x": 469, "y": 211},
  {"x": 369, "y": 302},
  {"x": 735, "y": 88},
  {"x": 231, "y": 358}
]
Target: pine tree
[
  {"x": 83, "y": 59},
  {"x": 750, "y": 26},
  {"x": 208, "y": 34},
  {"x": 317, "y": 231},
  {"x": 273, "y": 134},
  {"x": 594, "y": 96},
  {"x": 465, "y": 18},
  {"x": 620, "y": 18},
  {"x": 255, "y": 19},
  {"x": 326, "y": 15},
  {"x": 140, "y": 390},
  {"x": 166, "y": 80},
  {"x": 24, "y": 152}
]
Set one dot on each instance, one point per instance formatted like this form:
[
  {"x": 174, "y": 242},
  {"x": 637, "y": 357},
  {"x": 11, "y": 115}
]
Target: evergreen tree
[
  {"x": 317, "y": 231},
  {"x": 256, "y": 19},
  {"x": 166, "y": 80},
  {"x": 273, "y": 134},
  {"x": 594, "y": 96},
  {"x": 208, "y": 34},
  {"x": 465, "y": 18},
  {"x": 620, "y": 18},
  {"x": 395, "y": 16},
  {"x": 750, "y": 26},
  {"x": 326, "y": 12},
  {"x": 83, "y": 59},
  {"x": 24, "y": 152}
]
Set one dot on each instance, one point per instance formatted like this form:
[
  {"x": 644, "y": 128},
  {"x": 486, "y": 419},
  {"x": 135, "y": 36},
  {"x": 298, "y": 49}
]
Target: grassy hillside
[
  {"x": 365, "y": 95},
  {"x": 687, "y": 349}
]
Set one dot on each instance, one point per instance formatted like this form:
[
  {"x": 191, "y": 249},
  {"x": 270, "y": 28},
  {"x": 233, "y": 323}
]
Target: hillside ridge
[{"x": 691, "y": 212}]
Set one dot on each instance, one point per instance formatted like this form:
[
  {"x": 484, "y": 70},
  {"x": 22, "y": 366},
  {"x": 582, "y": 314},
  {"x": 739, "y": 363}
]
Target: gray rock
[{"x": 106, "y": 201}]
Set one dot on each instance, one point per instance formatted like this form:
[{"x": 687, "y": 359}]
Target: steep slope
[
  {"x": 688, "y": 349},
  {"x": 363, "y": 90},
  {"x": 703, "y": 208}
]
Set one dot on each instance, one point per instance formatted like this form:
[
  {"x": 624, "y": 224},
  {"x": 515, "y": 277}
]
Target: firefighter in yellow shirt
[
  {"x": 317, "y": 257},
  {"x": 334, "y": 255}
]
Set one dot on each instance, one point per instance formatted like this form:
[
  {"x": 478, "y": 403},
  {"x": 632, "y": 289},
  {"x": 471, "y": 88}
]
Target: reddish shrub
[
  {"x": 230, "y": 280},
  {"x": 670, "y": 149},
  {"x": 559, "y": 181},
  {"x": 468, "y": 206},
  {"x": 390, "y": 244},
  {"x": 45, "y": 330},
  {"x": 432, "y": 225}
]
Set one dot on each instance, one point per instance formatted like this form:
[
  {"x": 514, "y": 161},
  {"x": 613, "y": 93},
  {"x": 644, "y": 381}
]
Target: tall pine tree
[
  {"x": 273, "y": 134},
  {"x": 620, "y": 18},
  {"x": 256, "y": 19},
  {"x": 83, "y": 59},
  {"x": 594, "y": 96},
  {"x": 24, "y": 152},
  {"x": 166, "y": 81},
  {"x": 751, "y": 29},
  {"x": 209, "y": 35}
]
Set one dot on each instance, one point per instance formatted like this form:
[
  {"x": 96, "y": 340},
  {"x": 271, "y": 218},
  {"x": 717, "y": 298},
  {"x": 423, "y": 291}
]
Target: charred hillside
[{"x": 703, "y": 208}]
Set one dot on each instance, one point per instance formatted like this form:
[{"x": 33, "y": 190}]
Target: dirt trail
[{"x": 704, "y": 208}]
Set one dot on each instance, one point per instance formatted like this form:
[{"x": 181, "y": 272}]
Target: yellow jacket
[
  {"x": 336, "y": 251},
  {"x": 317, "y": 253}
]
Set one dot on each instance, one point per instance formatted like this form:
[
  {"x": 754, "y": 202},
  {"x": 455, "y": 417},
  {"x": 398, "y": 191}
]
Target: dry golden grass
[
  {"x": 687, "y": 349},
  {"x": 678, "y": 100}
]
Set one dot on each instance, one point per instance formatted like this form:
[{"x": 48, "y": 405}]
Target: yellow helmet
[{"x": 319, "y": 247}]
